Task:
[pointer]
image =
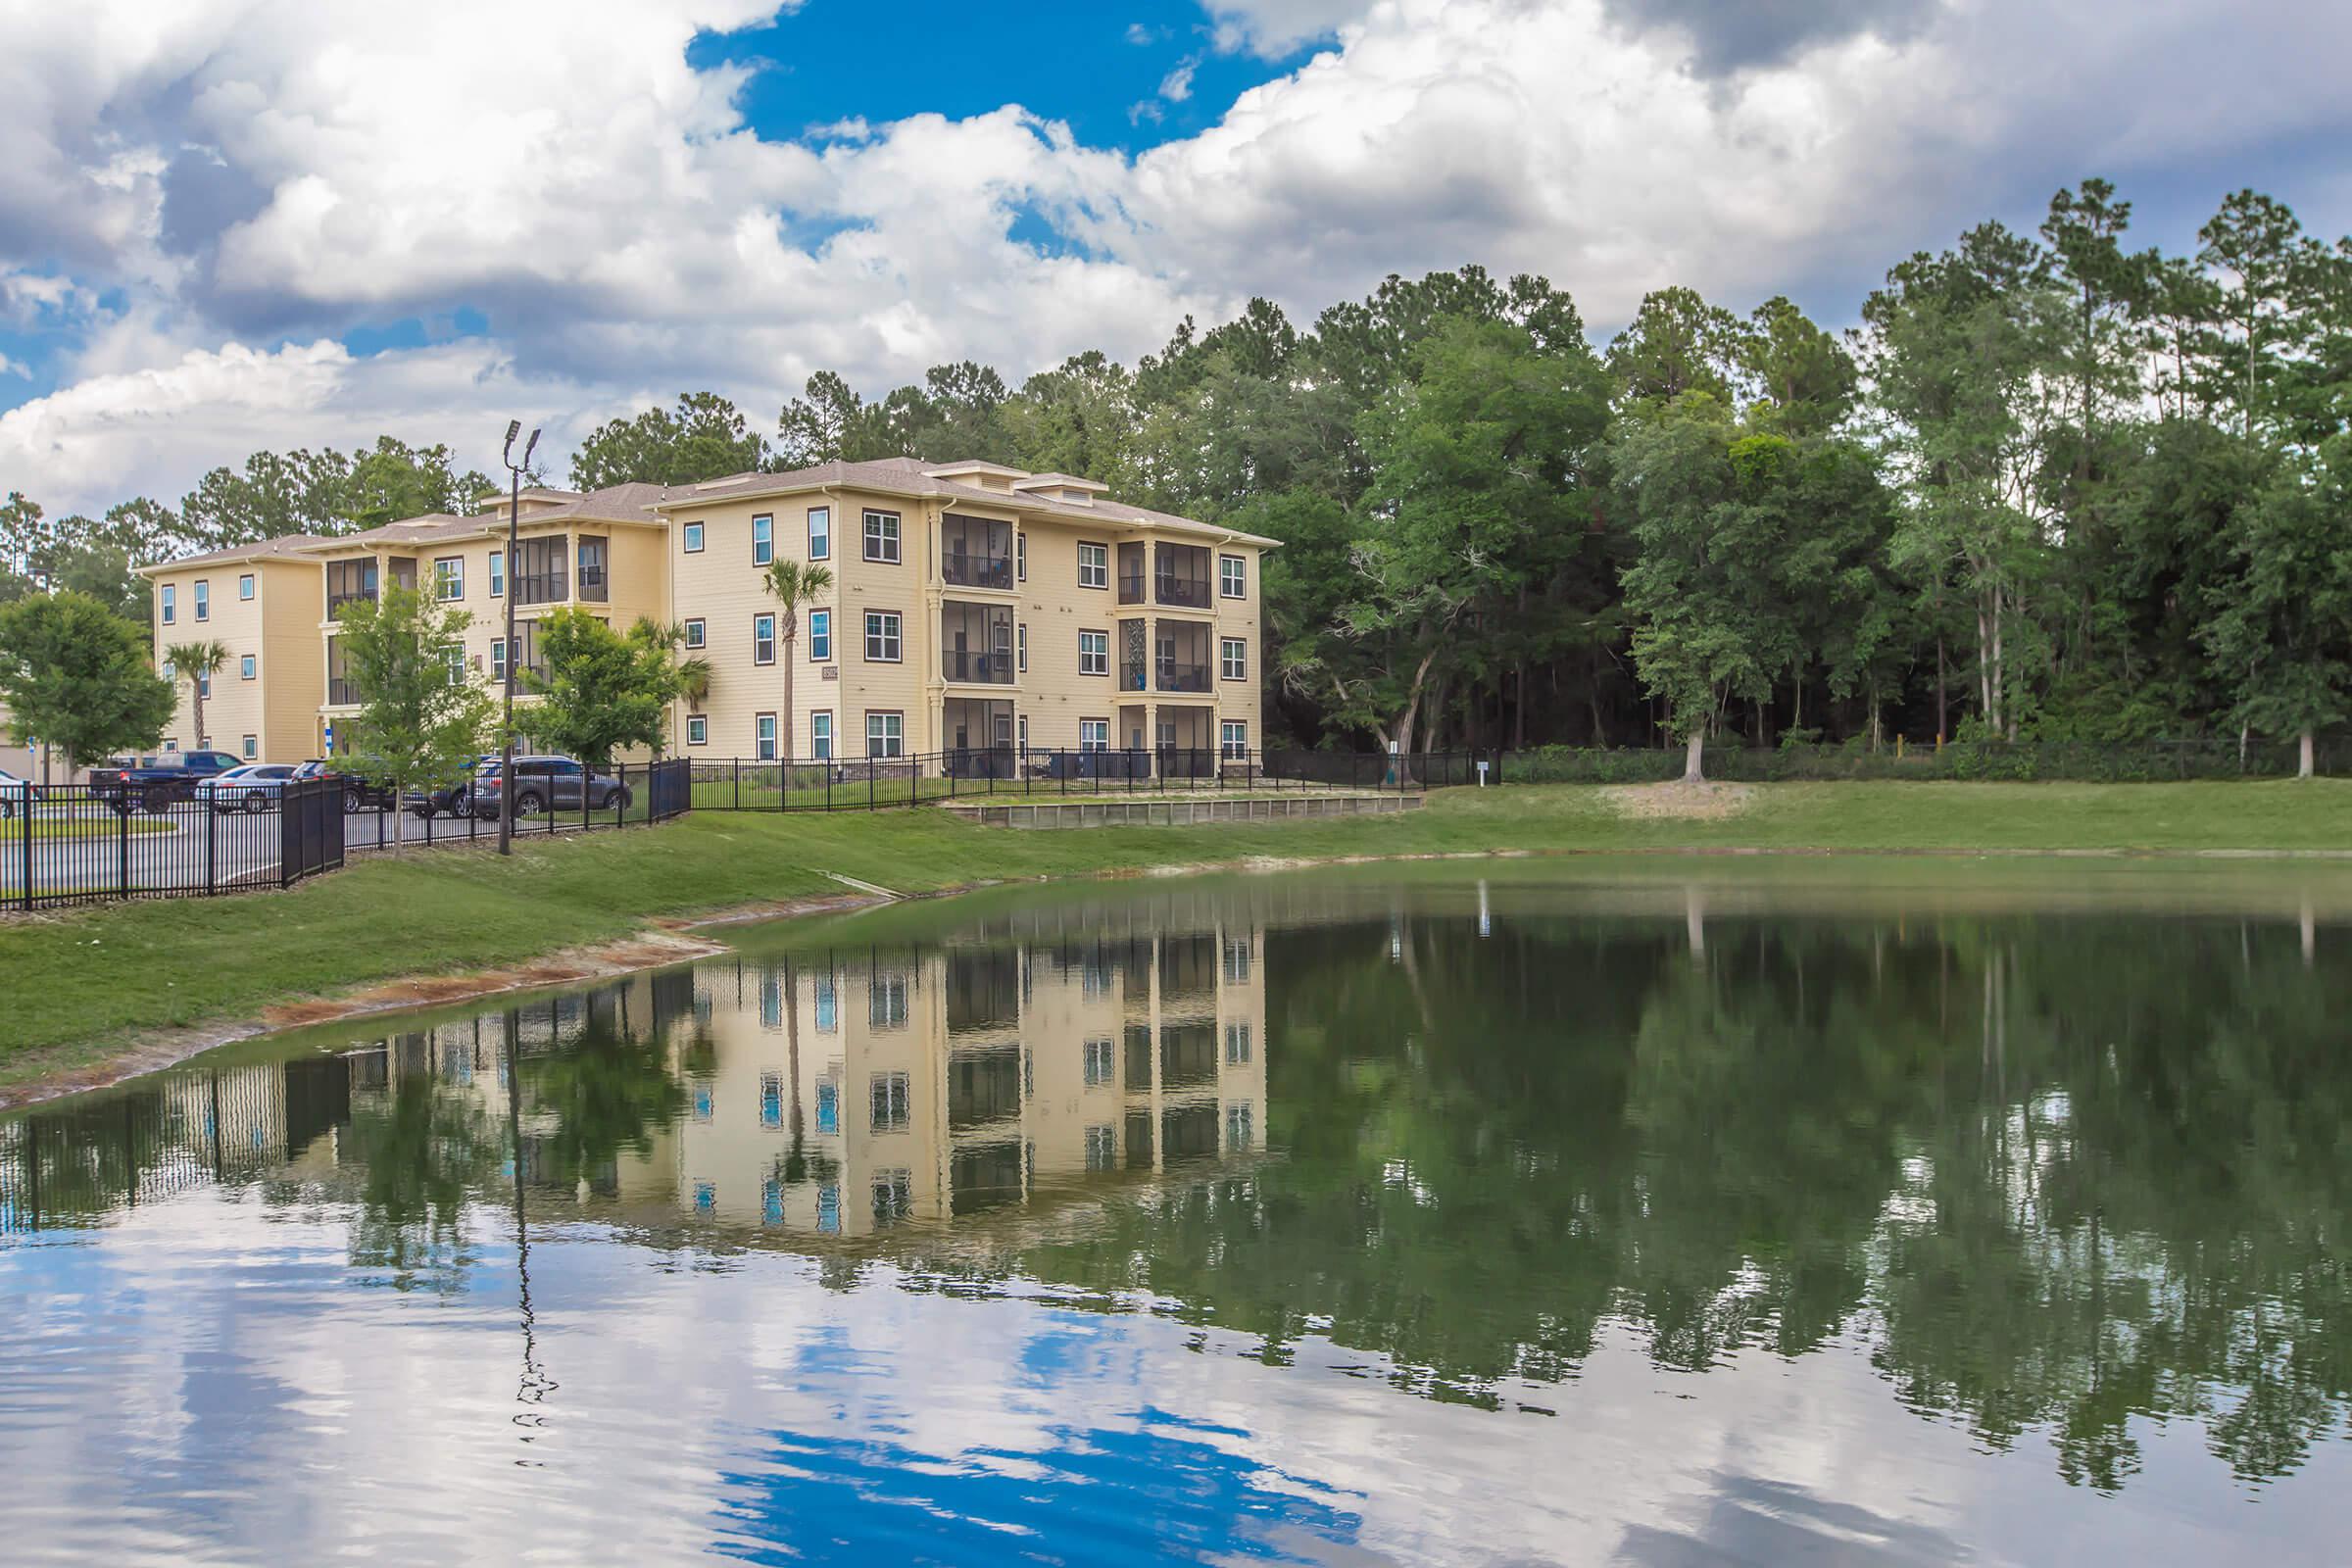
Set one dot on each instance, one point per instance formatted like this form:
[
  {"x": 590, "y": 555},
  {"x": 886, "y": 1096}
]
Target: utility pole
[{"x": 506, "y": 738}]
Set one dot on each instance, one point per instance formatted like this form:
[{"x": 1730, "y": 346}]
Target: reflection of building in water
[
  {"x": 840, "y": 1093},
  {"x": 834, "y": 1093}
]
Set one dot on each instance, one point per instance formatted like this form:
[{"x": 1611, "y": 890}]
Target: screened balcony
[
  {"x": 975, "y": 643},
  {"x": 1180, "y": 577},
  {"x": 1180, "y": 656},
  {"x": 1132, "y": 560},
  {"x": 975, "y": 553},
  {"x": 595, "y": 580},
  {"x": 349, "y": 582},
  {"x": 539, "y": 574}
]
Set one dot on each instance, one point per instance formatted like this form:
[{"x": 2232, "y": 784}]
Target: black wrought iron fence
[
  {"x": 630, "y": 793},
  {"x": 72, "y": 843},
  {"x": 876, "y": 783}
]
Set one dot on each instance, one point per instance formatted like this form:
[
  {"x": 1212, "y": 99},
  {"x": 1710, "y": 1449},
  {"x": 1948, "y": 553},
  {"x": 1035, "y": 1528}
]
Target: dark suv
[
  {"x": 359, "y": 794},
  {"x": 544, "y": 784},
  {"x": 156, "y": 781}
]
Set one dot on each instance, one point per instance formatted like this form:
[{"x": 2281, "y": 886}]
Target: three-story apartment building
[{"x": 973, "y": 607}]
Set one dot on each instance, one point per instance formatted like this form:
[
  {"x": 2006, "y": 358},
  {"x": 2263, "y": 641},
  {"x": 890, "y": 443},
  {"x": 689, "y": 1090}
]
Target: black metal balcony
[
  {"x": 1190, "y": 593},
  {"x": 1176, "y": 677},
  {"x": 1131, "y": 587},
  {"x": 960, "y": 569}
]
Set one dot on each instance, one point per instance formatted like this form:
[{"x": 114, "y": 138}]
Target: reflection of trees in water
[
  {"x": 422, "y": 1148},
  {"x": 606, "y": 1089},
  {"x": 2058, "y": 1172}
]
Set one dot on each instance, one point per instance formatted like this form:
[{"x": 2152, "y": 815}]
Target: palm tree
[
  {"x": 792, "y": 584},
  {"x": 196, "y": 663}
]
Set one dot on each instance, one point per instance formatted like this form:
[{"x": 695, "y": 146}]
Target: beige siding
[{"x": 273, "y": 628}]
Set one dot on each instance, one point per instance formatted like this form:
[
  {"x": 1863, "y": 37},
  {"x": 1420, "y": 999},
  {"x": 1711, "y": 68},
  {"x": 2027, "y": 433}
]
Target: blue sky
[{"x": 230, "y": 224}]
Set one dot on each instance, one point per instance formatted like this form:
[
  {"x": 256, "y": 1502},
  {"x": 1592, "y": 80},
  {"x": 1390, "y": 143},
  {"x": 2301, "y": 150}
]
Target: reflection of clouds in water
[{"x": 1750, "y": 1520}]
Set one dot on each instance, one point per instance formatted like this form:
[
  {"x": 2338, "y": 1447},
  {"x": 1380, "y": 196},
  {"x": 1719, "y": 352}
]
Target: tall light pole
[{"x": 506, "y": 738}]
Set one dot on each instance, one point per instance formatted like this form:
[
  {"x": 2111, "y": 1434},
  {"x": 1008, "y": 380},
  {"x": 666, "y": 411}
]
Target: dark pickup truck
[{"x": 155, "y": 782}]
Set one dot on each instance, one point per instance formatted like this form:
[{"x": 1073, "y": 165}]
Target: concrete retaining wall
[{"x": 1178, "y": 811}]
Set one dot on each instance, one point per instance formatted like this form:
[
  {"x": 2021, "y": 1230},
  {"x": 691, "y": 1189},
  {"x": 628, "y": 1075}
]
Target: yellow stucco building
[{"x": 973, "y": 606}]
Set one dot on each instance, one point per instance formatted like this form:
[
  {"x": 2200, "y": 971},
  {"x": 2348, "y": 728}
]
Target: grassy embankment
[{"x": 76, "y": 986}]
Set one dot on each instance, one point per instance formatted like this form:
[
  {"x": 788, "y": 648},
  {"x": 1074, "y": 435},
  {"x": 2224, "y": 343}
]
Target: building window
[
  {"x": 828, "y": 1019},
  {"x": 1021, "y": 639},
  {"x": 248, "y": 666},
  {"x": 1093, "y": 565},
  {"x": 1238, "y": 1133},
  {"x": 498, "y": 573},
  {"x": 698, "y": 730},
  {"x": 204, "y": 599},
  {"x": 764, "y": 639},
  {"x": 821, "y": 533},
  {"x": 820, "y": 635},
  {"x": 882, "y": 536},
  {"x": 692, "y": 535},
  {"x": 888, "y": 1097},
  {"x": 1232, "y": 737},
  {"x": 764, "y": 540},
  {"x": 771, "y": 1002},
  {"x": 253, "y": 747},
  {"x": 1233, "y": 577},
  {"x": 1101, "y": 1148},
  {"x": 1233, "y": 654},
  {"x": 820, "y": 737},
  {"x": 1094, "y": 653},
  {"x": 883, "y": 644},
  {"x": 1020, "y": 558},
  {"x": 171, "y": 603},
  {"x": 448, "y": 577},
  {"x": 245, "y": 586},
  {"x": 1099, "y": 1058},
  {"x": 204, "y": 683},
  {"x": 697, "y": 634},
  {"x": 886, "y": 1000},
  {"x": 453, "y": 664},
  {"x": 767, "y": 733},
  {"x": 1237, "y": 960},
  {"x": 885, "y": 735},
  {"x": 1094, "y": 734},
  {"x": 498, "y": 658},
  {"x": 1236, "y": 1045}
]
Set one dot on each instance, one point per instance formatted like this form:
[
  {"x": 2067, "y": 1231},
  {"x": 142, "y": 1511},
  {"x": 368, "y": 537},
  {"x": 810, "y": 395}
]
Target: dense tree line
[{"x": 2050, "y": 488}]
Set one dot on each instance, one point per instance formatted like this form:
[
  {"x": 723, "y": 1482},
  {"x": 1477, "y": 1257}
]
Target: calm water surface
[{"x": 1654, "y": 1215}]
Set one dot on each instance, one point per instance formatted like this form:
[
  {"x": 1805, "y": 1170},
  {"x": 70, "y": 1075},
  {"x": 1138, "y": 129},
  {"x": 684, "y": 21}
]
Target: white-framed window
[
  {"x": 1232, "y": 737},
  {"x": 204, "y": 684},
  {"x": 1020, "y": 558},
  {"x": 253, "y": 747},
  {"x": 885, "y": 735},
  {"x": 698, "y": 730},
  {"x": 820, "y": 636},
  {"x": 764, "y": 639},
  {"x": 828, "y": 1019},
  {"x": 698, "y": 636},
  {"x": 1021, "y": 643},
  {"x": 1233, "y": 577},
  {"x": 1093, "y": 565},
  {"x": 248, "y": 666},
  {"x": 169, "y": 603},
  {"x": 763, "y": 731},
  {"x": 820, "y": 736},
  {"x": 886, "y": 1008},
  {"x": 764, "y": 540},
  {"x": 1094, "y": 734},
  {"x": 1236, "y": 1042},
  {"x": 245, "y": 585},
  {"x": 1094, "y": 653},
  {"x": 498, "y": 573},
  {"x": 498, "y": 658},
  {"x": 690, "y": 538},
  {"x": 453, "y": 664},
  {"x": 821, "y": 533},
  {"x": 883, "y": 643},
  {"x": 204, "y": 599},
  {"x": 1100, "y": 1056},
  {"x": 1233, "y": 658},
  {"x": 1237, "y": 960},
  {"x": 448, "y": 577},
  {"x": 882, "y": 536}
]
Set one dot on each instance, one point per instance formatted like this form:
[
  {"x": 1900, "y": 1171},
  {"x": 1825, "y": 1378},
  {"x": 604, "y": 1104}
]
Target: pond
[{"x": 1653, "y": 1212}]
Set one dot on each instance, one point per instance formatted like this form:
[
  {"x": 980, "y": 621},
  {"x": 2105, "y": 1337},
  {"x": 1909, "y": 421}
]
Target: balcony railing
[
  {"x": 1176, "y": 677},
  {"x": 986, "y": 670},
  {"x": 961, "y": 569},
  {"x": 336, "y": 601},
  {"x": 540, "y": 587},
  {"x": 340, "y": 691},
  {"x": 1186, "y": 592}
]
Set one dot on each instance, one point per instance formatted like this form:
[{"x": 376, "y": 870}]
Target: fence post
[
  {"x": 25, "y": 816},
  {"x": 212, "y": 845},
  {"x": 122, "y": 845}
]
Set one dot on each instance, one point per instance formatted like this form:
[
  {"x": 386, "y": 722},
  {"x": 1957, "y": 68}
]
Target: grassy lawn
[{"x": 77, "y": 984}]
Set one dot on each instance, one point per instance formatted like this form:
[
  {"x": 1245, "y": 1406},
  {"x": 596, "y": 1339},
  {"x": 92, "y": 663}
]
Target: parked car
[
  {"x": 544, "y": 784},
  {"x": 16, "y": 794},
  {"x": 359, "y": 794},
  {"x": 153, "y": 783},
  {"x": 456, "y": 799},
  {"x": 252, "y": 787}
]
